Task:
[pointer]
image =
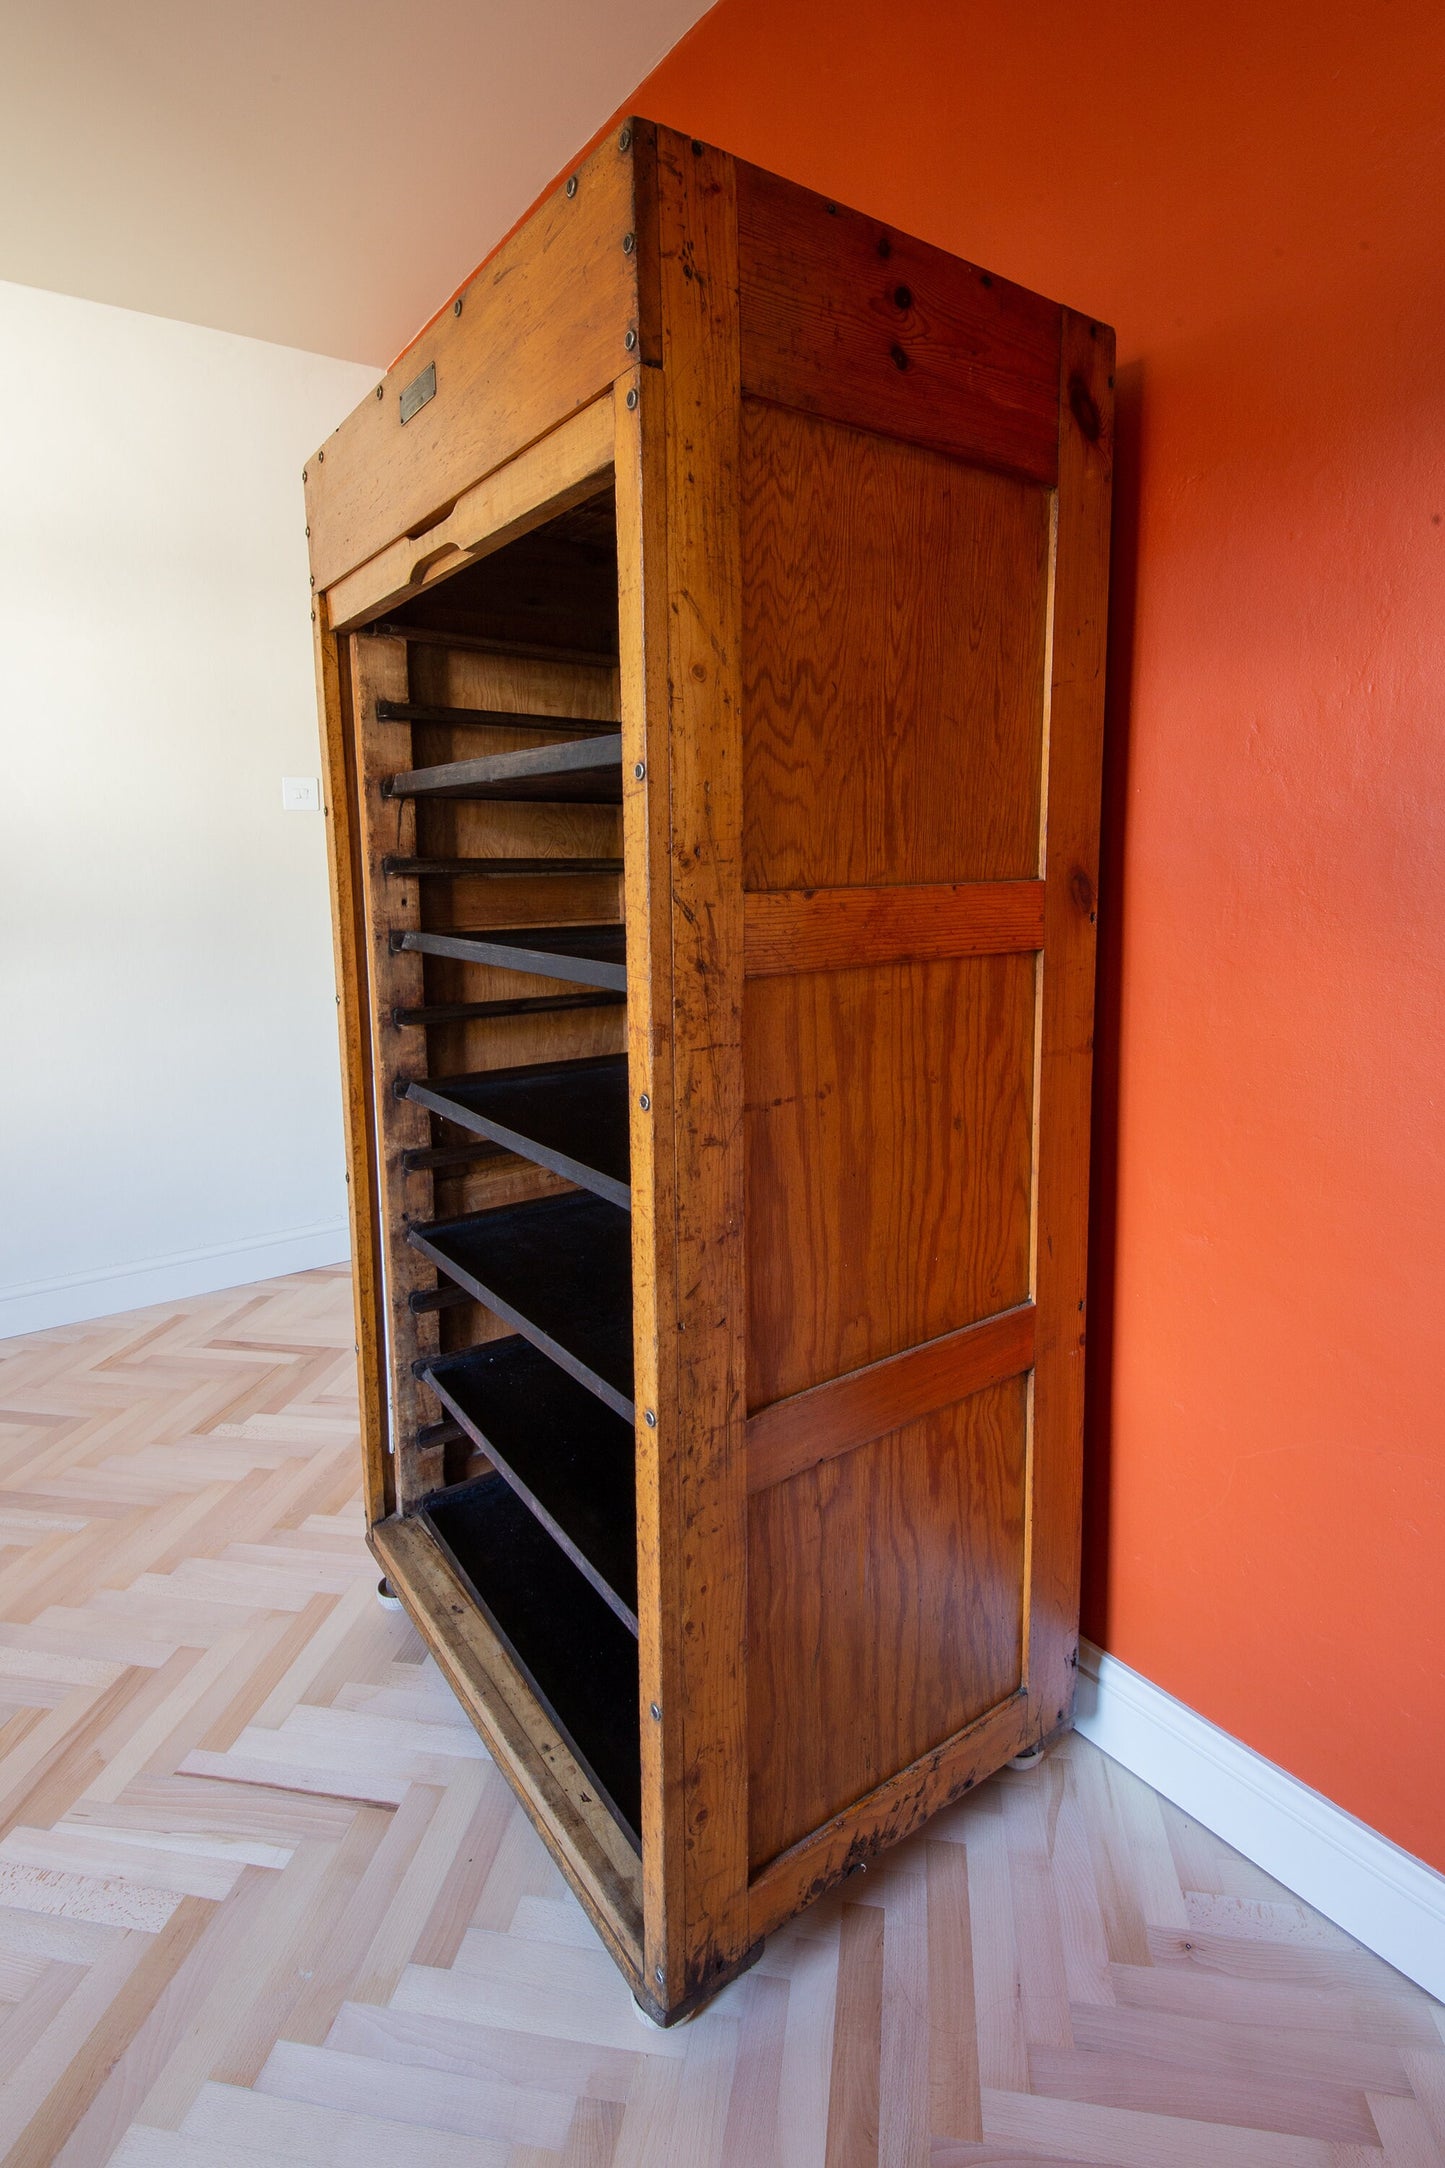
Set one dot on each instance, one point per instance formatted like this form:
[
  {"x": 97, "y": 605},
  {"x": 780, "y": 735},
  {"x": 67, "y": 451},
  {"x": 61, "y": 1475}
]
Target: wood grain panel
[
  {"x": 885, "y": 1583},
  {"x": 894, "y": 657},
  {"x": 845, "y": 316},
  {"x": 536, "y": 336},
  {"x": 889, "y": 1138},
  {"x": 824, "y": 929},
  {"x": 849, "y": 1411}
]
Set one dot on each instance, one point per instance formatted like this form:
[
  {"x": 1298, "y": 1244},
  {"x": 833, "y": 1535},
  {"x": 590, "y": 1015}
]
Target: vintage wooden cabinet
[{"x": 710, "y": 631}]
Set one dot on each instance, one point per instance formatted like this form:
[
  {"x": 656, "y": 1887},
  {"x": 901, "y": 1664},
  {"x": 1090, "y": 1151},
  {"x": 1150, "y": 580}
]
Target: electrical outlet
[{"x": 300, "y": 794}]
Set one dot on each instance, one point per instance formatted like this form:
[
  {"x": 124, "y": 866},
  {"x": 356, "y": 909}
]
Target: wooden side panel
[
  {"x": 844, "y": 316},
  {"x": 697, "y": 244},
  {"x": 537, "y": 335},
  {"x": 353, "y": 1016},
  {"x": 889, "y": 1123},
  {"x": 895, "y": 635},
  {"x": 1066, "y": 1031},
  {"x": 885, "y": 1608}
]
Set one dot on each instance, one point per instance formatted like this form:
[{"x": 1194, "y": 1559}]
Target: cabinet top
[{"x": 838, "y": 313}]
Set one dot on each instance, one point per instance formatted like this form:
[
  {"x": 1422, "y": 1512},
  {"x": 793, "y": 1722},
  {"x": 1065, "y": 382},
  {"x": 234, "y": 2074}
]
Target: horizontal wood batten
[
  {"x": 851, "y": 1838},
  {"x": 797, "y": 1433},
  {"x": 567, "y": 465},
  {"x": 536, "y": 336},
  {"x": 849, "y": 319},
  {"x": 830, "y": 929}
]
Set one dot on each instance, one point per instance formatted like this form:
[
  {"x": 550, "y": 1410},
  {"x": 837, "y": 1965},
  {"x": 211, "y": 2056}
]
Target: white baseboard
[
  {"x": 77, "y": 1296},
  {"x": 1386, "y": 1898}
]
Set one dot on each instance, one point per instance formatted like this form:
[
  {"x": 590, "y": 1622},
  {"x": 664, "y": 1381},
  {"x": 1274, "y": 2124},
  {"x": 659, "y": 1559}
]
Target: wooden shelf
[
  {"x": 559, "y": 1270},
  {"x": 494, "y": 869},
  {"x": 420, "y": 711},
  {"x": 572, "y": 1649},
  {"x": 569, "y": 1116},
  {"x": 569, "y": 1459},
  {"x": 461, "y": 1012},
  {"x": 590, "y": 955},
  {"x": 579, "y": 771}
]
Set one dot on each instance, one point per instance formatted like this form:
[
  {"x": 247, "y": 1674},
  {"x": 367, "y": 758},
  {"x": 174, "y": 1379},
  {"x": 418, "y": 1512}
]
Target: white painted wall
[{"x": 169, "y": 1096}]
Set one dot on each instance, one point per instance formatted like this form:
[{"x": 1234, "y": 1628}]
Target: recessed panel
[
  {"x": 888, "y": 1122},
  {"x": 885, "y": 1605},
  {"x": 895, "y": 608}
]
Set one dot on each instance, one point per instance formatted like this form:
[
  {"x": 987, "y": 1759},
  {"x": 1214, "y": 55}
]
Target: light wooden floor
[{"x": 264, "y": 1900}]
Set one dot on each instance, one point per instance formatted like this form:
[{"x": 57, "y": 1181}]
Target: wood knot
[
  {"x": 1083, "y": 408},
  {"x": 1081, "y": 888}
]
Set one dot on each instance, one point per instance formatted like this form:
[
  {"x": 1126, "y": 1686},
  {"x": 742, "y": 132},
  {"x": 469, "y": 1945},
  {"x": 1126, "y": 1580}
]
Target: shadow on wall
[{"x": 1108, "y": 998}]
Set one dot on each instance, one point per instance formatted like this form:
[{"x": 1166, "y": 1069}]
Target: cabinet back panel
[
  {"x": 895, "y": 620},
  {"x": 888, "y": 1123},
  {"x": 885, "y": 1605}
]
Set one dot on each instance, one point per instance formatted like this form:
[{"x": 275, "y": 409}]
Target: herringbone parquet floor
[{"x": 263, "y": 1899}]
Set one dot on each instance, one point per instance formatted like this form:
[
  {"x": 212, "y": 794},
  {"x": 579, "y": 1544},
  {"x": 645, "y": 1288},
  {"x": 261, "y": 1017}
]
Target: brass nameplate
[{"x": 418, "y": 391}]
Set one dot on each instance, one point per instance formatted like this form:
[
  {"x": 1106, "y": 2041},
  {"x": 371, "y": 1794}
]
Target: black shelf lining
[
  {"x": 570, "y": 1460},
  {"x": 558, "y": 1270},
  {"x": 570, "y": 1117}
]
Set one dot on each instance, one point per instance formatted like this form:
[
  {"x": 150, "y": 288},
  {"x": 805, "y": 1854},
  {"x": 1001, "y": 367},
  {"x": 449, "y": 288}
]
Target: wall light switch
[{"x": 300, "y": 794}]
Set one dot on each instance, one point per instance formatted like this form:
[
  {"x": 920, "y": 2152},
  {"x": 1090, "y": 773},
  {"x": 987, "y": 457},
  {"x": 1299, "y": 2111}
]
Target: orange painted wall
[{"x": 1254, "y": 196}]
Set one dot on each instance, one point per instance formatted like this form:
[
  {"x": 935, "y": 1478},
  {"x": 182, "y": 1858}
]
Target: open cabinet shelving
[{"x": 709, "y": 619}]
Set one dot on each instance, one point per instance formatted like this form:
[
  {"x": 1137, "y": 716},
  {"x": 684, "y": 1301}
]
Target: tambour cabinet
[{"x": 710, "y": 631}]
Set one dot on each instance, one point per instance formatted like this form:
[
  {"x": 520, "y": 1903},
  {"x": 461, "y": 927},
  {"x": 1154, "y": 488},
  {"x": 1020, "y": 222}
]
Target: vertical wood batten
[
  {"x": 348, "y": 935},
  {"x": 643, "y": 630},
  {"x": 380, "y": 672},
  {"x": 1086, "y": 408},
  {"x": 697, "y": 235}
]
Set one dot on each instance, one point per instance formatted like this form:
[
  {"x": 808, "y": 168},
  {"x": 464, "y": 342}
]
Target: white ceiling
[{"x": 298, "y": 170}]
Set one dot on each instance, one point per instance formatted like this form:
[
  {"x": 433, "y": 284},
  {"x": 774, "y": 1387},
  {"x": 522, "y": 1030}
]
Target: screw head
[
  {"x": 630, "y": 342},
  {"x": 649, "y": 1417},
  {"x": 457, "y": 306},
  {"x": 632, "y": 399},
  {"x": 659, "y": 1975},
  {"x": 308, "y": 534},
  {"x": 639, "y": 770},
  {"x": 656, "y": 1714},
  {"x": 629, "y": 243},
  {"x": 319, "y": 457},
  {"x": 624, "y": 141},
  {"x": 571, "y": 184},
  {"x": 646, "y": 1105},
  {"x": 313, "y": 579},
  {"x": 303, "y": 474},
  {"x": 381, "y": 391}
]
